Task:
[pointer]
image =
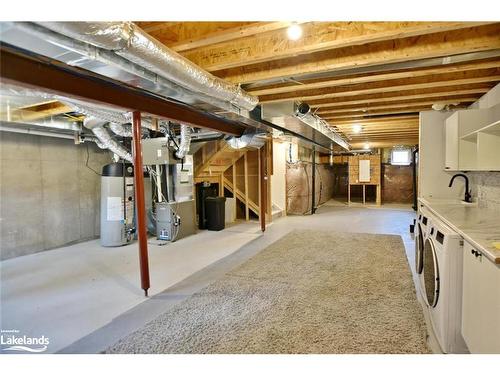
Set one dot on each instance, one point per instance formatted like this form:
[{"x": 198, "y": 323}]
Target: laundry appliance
[{"x": 441, "y": 283}]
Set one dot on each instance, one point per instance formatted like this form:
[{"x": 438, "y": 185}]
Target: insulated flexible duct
[
  {"x": 129, "y": 41},
  {"x": 185, "y": 141},
  {"x": 250, "y": 139},
  {"x": 97, "y": 127}
]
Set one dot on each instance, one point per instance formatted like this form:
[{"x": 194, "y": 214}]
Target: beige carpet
[{"x": 309, "y": 292}]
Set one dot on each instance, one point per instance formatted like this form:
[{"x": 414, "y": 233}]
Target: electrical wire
[{"x": 87, "y": 161}]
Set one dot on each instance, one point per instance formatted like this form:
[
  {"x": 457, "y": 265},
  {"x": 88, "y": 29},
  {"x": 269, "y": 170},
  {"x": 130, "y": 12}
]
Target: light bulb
[
  {"x": 294, "y": 31},
  {"x": 366, "y": 146},
  {"x": 356, "y": 128}
]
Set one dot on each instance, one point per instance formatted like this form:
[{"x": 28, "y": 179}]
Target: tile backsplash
[{"x": 486, "y": 186}]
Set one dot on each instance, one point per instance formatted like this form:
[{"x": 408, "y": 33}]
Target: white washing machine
[
  {"x": 423, "y": 222},
  {"x": 441, "y": 281}
]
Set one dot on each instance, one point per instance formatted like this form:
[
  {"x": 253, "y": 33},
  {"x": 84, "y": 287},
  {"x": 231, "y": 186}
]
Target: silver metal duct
[
  {"x": 97, "y": 127},
  {"x": 321, "y": 125},
  {"x": 113, "y": 66},
  {"x": 185, "y": 141},
  {"x": 13, "y": 129},
  {"x": 299, "y": 119},
  {"x": 250, "y": 139},
  {"x": 129, "y": 41},
  {"x": 123, "y": 130}
]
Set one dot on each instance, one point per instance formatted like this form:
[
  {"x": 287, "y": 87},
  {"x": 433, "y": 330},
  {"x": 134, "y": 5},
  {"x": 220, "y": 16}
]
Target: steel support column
[
  {"x": 263, "y": 186},
  {"x": 139, "y": 202}
]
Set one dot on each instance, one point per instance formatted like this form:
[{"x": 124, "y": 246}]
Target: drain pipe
[{"x": 97, "y": 127}]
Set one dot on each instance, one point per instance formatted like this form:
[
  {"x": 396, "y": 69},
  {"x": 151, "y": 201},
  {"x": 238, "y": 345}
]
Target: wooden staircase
[
  {"x": 215, "y": 159},
  {"x": 252, "y": 206},
  {"x": 217, "y": 162}
]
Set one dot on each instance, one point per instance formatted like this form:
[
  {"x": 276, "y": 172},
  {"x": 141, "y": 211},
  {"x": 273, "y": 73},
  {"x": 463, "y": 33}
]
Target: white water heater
[{"x": 117, "y": 204}]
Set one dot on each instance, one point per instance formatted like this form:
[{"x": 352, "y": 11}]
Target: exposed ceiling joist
[
  {"x": 317, "y": 36},
  {"x": 375, "y": 113},
  {"x": 474, "y": 39},
  {"x": 383, "y": 89},
  {"x": 228, "y": 35},
  {"x": 367, "y": 108},
  {"x": 376, "y": 78},
  {"x": 439, "y": 96}
]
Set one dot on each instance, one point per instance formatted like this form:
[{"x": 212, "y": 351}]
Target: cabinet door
[
  {"x": 490, "y": 305},
  {"x": 471, "y": 324},
  {"x": 480, "y": 303},
  {"x": 451, "y": 143}
]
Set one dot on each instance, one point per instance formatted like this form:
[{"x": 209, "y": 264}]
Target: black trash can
[
  {"x": 216, "y": 212},
  {"x": 203, "y": 190}
]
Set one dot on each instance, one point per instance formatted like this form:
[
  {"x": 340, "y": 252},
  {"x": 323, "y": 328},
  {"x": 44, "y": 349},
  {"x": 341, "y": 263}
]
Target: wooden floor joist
[
  {"x": 318, "y": 36},
  {"x": 328, "y": 83},
  {"x": 444, "y": 44}
]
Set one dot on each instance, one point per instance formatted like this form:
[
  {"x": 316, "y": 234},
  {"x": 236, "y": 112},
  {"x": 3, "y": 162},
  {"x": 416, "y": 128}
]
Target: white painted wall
[
  {"x": 488, "y": 100},
  {"x": 278, "y": 179},
  {"x": 433, "y": 180}
]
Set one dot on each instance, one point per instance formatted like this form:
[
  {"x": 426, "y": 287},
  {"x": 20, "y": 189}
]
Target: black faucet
[{"x": 467, "y": 192}]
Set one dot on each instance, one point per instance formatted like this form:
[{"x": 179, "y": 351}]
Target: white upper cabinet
[{"x": 473, "y": 140}]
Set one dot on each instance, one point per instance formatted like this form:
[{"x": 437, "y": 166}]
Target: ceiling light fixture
[
  {"x": 357, "y": 128},
  {"x": 366, "y": 146},
  {"x": 294, "y": 31}
]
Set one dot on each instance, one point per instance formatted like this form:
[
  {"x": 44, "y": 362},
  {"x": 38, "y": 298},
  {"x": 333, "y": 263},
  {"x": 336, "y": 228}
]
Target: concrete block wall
[{"x": 48, "y": 197}]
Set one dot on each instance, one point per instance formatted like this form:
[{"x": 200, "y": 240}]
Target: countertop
[{"x": 478, "y": 226}]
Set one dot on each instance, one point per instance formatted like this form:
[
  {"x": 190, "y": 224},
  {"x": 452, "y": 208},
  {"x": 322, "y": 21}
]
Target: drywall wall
[
  {"x": 48, "y": 197},
  {"x": 490, "y": 99},
  {"x": 278, "y": 179},
  {"x": 486, "y": 185},
  {"x": 433, "y": 180}
]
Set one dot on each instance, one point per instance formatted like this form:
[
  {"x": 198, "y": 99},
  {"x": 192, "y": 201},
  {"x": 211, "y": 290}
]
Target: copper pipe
[
  {"x": 139, "y": 201},
  {"x": 263, "y": 187}
]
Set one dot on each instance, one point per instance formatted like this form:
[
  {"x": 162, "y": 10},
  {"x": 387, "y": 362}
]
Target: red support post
[{"x": 139, "y": 201}]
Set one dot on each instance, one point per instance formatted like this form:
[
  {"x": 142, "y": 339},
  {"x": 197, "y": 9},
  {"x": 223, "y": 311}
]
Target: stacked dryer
[{"x": 439, "y": 261}]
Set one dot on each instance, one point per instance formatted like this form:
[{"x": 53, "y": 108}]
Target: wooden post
[
  {"x": 234, "y": 190},
  {"x": 263, "y": 187},
  {"x": 140, "y": 202},
  {"x": 247, "y": 213}
]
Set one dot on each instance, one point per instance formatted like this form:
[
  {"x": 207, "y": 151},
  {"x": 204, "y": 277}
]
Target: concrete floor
[{"x": 85, "y": 297}]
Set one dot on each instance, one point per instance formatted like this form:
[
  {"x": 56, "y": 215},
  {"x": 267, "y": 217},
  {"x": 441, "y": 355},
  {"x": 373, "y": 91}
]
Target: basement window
[{"x": 401, "y": 156}]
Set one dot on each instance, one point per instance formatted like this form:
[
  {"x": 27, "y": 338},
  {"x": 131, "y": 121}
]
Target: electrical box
[{"x": 156, "y": 151}]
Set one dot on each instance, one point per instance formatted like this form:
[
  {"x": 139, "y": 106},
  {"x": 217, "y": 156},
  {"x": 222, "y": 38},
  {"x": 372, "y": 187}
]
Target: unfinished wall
[
  {"x": 397, "y": 180},
  {"x": 278, "y": 179},
  {"x": 48, "y": 197},
  {"x": 299, "y": 186}
]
